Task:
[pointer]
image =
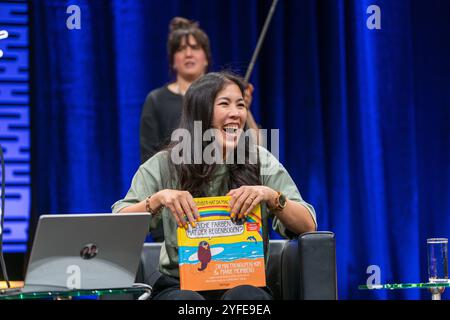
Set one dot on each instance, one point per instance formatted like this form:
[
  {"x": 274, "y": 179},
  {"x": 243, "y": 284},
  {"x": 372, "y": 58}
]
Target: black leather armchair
[{"x": 304, "y": 268}]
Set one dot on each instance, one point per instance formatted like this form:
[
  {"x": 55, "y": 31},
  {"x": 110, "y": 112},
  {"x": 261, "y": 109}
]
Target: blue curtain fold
[{"x": 363, "y": 114}]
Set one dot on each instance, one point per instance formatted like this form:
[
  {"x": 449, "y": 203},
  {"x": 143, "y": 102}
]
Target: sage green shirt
[{"x": 154, "y": 175}]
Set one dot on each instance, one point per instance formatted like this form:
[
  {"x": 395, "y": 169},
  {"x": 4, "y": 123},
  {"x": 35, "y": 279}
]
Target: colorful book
[{"x": 219, "y": 253}]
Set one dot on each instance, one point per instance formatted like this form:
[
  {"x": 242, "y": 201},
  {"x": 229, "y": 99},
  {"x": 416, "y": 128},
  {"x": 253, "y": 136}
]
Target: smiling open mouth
[{"x": 230, "y": 130}]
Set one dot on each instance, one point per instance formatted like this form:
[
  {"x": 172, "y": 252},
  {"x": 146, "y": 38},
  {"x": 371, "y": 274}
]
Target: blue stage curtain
[{"x": 363, "y": 114}]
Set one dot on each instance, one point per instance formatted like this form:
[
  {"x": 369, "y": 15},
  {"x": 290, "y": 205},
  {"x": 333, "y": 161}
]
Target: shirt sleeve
[
  {"x": 276, "y": 177},
  {"x": 149, "y": 132},
  {"x": 146, "y": 181}
]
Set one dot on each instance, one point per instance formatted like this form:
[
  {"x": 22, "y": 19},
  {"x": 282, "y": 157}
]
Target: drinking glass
[{"x": 437, "y": 260}]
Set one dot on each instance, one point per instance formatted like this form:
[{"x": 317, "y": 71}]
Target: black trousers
[{"x": 168, "y": 288}]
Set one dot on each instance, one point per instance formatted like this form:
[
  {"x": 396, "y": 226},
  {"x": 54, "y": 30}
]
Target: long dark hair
[{"x": 199, "y": 106}]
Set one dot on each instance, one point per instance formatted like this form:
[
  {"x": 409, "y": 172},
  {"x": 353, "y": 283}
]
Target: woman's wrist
[
  {"x": 153, "y": 204},
  {"x": 272, "y": 198}
]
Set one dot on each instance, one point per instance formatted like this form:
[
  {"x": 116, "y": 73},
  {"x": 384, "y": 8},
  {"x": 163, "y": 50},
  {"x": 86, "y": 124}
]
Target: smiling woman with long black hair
[{"x": 166, "y": 188}]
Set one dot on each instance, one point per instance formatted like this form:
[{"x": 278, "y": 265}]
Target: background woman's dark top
[{"x": 160, "y": 116}]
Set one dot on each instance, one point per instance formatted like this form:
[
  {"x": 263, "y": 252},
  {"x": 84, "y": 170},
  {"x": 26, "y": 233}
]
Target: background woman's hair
[
  {"x": 180, "y": 28},
  {"x": 199, "y": 106}
]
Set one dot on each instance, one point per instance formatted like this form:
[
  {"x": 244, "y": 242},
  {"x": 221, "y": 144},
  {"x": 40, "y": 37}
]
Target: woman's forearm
[
  {"x": 138, "y": 207},
  {"x": 142, "y": 206},
  {"x": 296, "y": 218}
]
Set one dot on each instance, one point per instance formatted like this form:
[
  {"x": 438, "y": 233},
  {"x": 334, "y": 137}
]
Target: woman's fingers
[
  {"x": 231, "y": 194},
  {"x": 238, "y": 204},
  {"x": 187, "y": 211},
  {"x": 179, "y": 221},
  {"x": 196, "y": 213},
  {"x": 194, "y": 208},
  {"x": 234, "y": 194},
  {"x": 180, "y": 213},
  {"x": 183, "y": 208},
  {"x": 244, "y": 200},
  {"x": 255, "y": 202},
  {"x": 248, "y": 203}
]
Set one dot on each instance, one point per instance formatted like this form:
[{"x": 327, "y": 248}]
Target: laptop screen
[{"x": 86, "y": 251}]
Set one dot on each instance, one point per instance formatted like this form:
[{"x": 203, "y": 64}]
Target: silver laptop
[{"x": 86, "y": 251}]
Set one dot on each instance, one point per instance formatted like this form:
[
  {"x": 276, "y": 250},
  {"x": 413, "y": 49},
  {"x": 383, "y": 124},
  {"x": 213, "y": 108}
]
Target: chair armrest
[
  {"x": 317, "y": 252},
  {"x": 309, "y": 267},
  {"x": 148, "y": 271}
]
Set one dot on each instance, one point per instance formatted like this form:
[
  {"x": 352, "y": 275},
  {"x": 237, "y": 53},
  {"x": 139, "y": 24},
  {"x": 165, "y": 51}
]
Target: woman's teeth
[{"x": 231, "y": 130}]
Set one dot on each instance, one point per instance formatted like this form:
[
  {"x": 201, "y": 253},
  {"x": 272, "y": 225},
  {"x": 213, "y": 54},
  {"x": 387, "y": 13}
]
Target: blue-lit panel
[
  {"x": 15, "y": 123},
  {"x": 14, "y": 131}
]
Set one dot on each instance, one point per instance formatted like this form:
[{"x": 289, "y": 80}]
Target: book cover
[{"x": 218, "y": 253}]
